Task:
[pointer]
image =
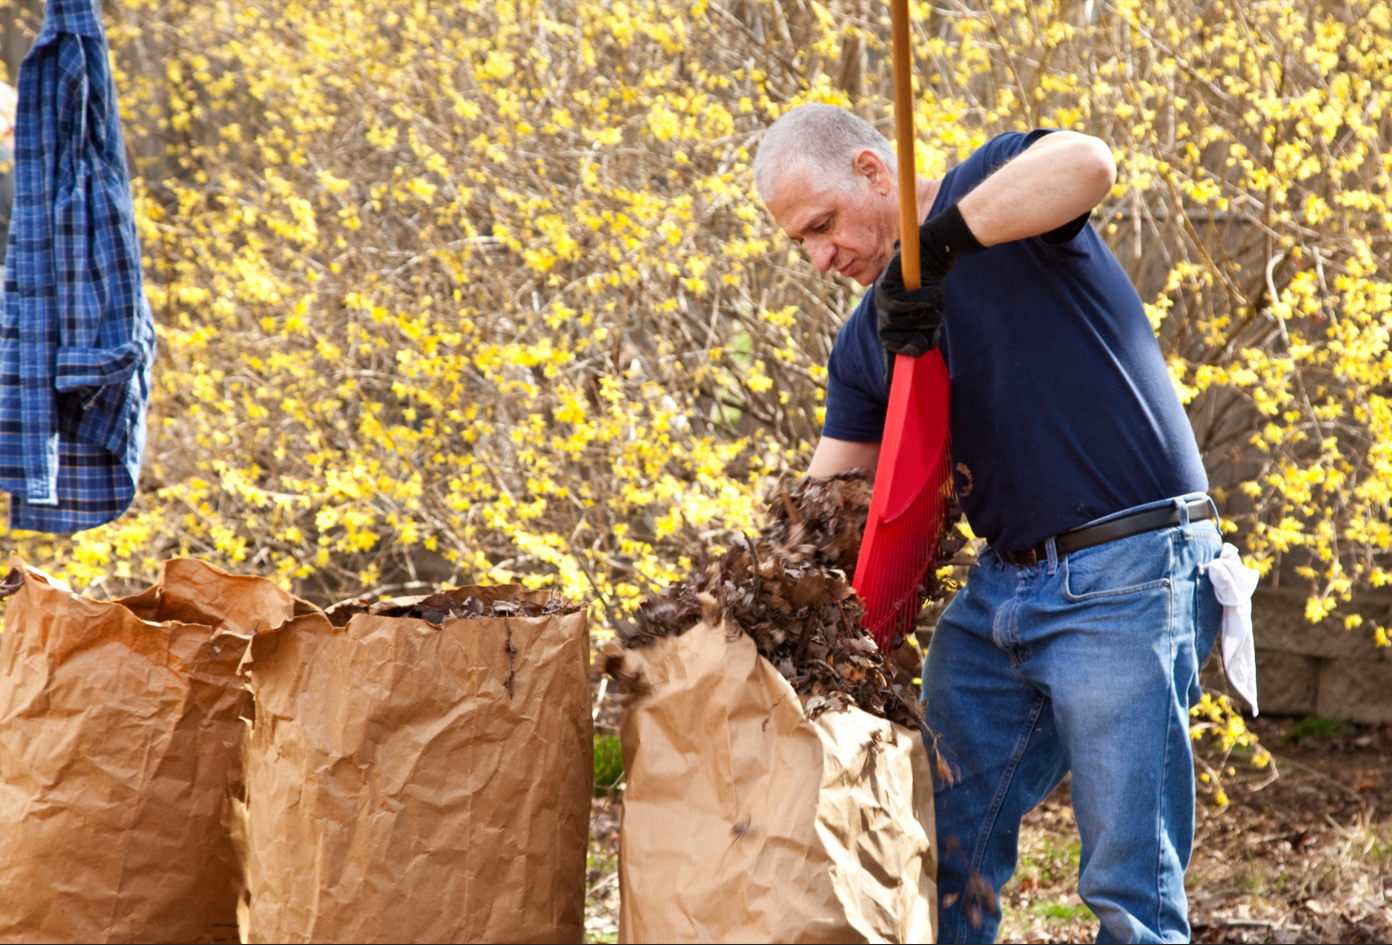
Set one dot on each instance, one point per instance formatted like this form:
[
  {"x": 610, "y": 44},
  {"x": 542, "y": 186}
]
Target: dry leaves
[
  {"x": 441, "y": 606},
  {"x": 790, "y": 589}
]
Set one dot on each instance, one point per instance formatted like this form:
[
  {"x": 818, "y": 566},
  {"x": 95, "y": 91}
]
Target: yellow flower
[{"x": 487, "y": 285}]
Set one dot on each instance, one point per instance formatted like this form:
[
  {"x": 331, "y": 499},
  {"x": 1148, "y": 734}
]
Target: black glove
[{"x": 910, "y": 321}]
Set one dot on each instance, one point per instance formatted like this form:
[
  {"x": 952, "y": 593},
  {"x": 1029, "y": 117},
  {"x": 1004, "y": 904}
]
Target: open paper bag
[
  {"x": 121, "y": 728},
  {"x": 417, "y": 783},
  {"x": 748, "y": 818}
]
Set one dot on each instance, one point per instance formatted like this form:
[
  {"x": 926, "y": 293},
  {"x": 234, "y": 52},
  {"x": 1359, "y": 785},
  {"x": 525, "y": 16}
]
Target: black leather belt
[{"x": 1166, "y": 516}]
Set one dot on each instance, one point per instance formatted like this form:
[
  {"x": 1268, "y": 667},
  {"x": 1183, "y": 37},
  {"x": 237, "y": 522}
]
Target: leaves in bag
[
  {"x": 790, "y": 590},
  {"x": 441, "y": 606}
]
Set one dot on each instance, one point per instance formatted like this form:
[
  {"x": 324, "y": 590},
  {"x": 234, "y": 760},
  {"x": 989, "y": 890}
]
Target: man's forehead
[{"x": 800, "y": 199}]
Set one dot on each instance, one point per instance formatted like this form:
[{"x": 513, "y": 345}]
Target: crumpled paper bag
[
  {"x": 746, "y": 821},
  {"x": 121, "y": 724},
  {"x": 414, "y": 783}
]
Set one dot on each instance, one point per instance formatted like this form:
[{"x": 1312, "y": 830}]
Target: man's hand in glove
[{"x": 910, "y": 320}]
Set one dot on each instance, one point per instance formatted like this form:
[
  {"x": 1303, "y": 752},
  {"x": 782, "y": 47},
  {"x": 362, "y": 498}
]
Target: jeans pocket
[
  {"x": 1207, "y": 611},
  {"x": 1126, "y": 566},
  {"x": 1208, "y": 616}
]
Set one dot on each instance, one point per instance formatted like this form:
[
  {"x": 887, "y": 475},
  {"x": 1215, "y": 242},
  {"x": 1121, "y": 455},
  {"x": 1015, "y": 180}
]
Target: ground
[
  {"x": 1301, "y": 853},
  {"x": 602, "y": 895}
]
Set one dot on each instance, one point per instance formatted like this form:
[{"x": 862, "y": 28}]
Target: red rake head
[{"x": 912, "y": 488}]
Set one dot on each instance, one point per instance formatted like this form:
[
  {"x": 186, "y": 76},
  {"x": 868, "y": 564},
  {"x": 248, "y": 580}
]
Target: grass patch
[
  {"x": 1062, "y": 912},
  {"x": 600, "y": 859},
  {"x": 1317, "y": 726},
  {"x": 1049, "y": 862},
  {"x": 608, "y": 764},
  {"x": 1257, "y": 881}
]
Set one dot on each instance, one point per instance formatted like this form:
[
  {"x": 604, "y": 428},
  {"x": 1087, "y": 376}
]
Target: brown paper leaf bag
[
  {"x": 744, "y": 820},
  {"x": 414, "y": 783},
  {"x": 121, "y": 724}
]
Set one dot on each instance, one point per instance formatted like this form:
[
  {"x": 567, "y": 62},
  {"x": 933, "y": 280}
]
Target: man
[{"x": 1076, "y": 643}]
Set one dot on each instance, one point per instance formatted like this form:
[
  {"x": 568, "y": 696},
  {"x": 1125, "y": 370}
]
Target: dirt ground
[
  {"x": 1301, "y": 853},
  {"x": 602, "y": 896}
]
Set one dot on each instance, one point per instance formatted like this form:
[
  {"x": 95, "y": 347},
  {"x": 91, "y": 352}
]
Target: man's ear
[{"x": 872, "y": 167}]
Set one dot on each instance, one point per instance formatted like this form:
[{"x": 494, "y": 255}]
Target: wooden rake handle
[{"x": 904, "y": 131}]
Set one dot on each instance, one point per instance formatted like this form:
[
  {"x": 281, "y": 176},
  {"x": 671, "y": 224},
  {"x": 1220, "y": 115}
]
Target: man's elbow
[{"x": 1097, "y": 168}]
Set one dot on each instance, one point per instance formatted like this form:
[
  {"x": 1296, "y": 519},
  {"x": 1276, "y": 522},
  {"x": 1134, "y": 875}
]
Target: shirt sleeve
[
  {"x": 857, "y": 397},
  {"x": 1069, "y": 231}
]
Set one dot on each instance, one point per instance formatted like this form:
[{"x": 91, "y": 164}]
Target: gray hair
[{"x": 823, "y": 137}]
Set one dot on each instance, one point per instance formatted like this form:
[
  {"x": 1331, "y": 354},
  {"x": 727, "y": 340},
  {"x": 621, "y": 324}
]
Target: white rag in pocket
[{"x": 1233, "y": 583}]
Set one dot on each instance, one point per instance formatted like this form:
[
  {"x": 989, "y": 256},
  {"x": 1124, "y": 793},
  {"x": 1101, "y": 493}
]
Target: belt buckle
[{"x": 1023, "y": 559}]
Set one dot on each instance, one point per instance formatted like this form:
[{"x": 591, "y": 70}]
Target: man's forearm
[
  {"x": 1058, "y": 179},
  {"x": 837, "y": 456}
]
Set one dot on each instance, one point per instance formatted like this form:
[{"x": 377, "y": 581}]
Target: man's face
[{"x": 850, "y": 232}]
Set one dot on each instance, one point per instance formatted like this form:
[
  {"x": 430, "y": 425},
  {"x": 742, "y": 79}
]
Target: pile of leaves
[
  {"x": 441, "y": 606},
  {"x": 790, "y": 590}
]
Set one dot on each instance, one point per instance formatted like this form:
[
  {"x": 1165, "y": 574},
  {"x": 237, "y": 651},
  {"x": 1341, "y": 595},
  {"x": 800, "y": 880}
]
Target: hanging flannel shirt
[{"x": 77, "y": 337}]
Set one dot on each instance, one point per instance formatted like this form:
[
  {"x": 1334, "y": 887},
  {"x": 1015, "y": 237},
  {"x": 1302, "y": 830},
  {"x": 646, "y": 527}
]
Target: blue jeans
[{"x": 1087, "y": 664}]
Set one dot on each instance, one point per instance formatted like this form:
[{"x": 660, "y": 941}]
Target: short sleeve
[
  {"x": 1068, "y": 231},
  {"x": 857, "y": 397},
  {"x": 996, "y": 153}
]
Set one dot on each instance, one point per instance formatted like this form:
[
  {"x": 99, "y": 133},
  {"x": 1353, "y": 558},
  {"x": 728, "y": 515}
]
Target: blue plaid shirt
[{"x": 77, "y": 336}]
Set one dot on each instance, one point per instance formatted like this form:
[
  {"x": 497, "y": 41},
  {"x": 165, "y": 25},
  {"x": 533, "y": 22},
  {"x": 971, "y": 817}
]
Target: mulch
[{"x": 1305, "y": 856}]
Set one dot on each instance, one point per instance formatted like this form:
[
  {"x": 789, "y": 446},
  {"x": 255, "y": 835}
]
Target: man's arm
[
  {"x": 837, "y": 456},
  {"x": 1054, "y": 181}
]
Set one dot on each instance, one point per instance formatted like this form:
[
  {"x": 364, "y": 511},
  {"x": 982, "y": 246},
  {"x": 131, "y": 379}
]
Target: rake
[{"x": 914, "y": 480}]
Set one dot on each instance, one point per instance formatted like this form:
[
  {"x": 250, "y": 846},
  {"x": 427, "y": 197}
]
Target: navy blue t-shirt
[{"x": 1062, "y": 410}]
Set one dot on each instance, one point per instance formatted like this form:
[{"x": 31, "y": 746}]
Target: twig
[
  {"x": 603, "y": 601},
  {"x": 754, "y": 557},
  {"x": 599, "y": 697},
  {"x": 1320, "y": 774},
  {"x": 1275, "y": 773}
]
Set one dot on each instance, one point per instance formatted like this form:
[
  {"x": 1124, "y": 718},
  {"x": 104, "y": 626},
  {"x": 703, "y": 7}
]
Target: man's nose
[{"x": 823, "y": 252}]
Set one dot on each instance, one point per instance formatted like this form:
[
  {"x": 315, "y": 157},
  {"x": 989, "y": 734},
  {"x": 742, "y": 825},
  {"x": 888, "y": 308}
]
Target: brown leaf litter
[
  {"x": 789, "y": 589},
  {"x": 1302, "y": 852},
  {"x": 441, "y": 606},
  {"x": 13, "y": 582}
]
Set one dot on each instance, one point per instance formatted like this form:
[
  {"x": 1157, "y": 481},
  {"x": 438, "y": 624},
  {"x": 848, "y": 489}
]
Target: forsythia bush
[{"x": 481, "y": 290}]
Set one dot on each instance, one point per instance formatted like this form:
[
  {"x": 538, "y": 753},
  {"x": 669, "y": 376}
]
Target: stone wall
[{"x": 1318, "y": 669}]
